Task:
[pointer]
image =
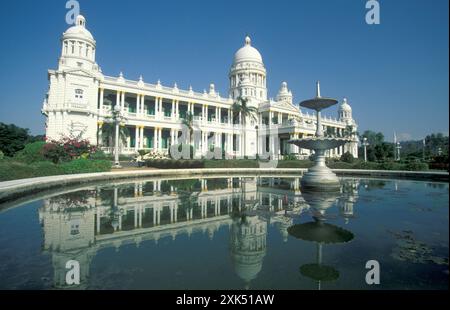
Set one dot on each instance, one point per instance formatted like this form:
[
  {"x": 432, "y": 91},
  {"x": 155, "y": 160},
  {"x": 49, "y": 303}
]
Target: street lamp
[
  {"x": 117, "y": 115},
  {"x": 398, "y": 147},
  {"x": 365, "y": 144}
]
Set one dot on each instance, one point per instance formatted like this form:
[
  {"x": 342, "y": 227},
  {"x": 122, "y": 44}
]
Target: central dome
[
  {"x": 247, "y": 53},
  {"x": 78, "y": 31}
]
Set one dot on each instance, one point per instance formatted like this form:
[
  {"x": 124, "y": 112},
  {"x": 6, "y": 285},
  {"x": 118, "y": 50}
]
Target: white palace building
[{"x": 81, "y": 99}]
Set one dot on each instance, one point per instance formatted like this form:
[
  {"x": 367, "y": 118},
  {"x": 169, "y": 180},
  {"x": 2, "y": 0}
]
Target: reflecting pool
[{"x": 227, "y": 233}]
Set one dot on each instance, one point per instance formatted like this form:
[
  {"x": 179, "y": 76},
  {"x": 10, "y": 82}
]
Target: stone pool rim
[{"x": 11, "y": 190}]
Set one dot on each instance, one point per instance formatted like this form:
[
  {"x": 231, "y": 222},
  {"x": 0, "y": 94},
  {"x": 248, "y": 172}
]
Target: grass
[{"x": 11, "y": 169}]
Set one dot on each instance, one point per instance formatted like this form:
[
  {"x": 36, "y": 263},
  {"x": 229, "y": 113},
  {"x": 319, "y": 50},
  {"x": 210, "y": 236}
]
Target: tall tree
[
  {"x": 14, "y": 138},
  {"x": 241, "y": 107},
  {"x": 109, "y": 128},
  {"x": 188, "y": 121}
]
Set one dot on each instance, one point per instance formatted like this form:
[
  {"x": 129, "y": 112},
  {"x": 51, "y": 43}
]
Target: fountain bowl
[
  {"x": 320, "y": 143},
  {"x": 318, "y": 103},
  {"x": 320, "y": 177}
]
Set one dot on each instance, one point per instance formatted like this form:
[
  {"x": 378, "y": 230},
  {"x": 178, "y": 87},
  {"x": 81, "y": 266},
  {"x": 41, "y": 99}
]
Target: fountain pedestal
[{"x": 319, "y": 177}]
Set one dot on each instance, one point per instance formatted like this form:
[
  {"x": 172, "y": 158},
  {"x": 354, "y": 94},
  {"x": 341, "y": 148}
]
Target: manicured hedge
[{"x": 175, "y": 164}]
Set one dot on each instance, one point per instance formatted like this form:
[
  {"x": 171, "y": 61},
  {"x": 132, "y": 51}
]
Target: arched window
[{"x": 79, "y": 93}]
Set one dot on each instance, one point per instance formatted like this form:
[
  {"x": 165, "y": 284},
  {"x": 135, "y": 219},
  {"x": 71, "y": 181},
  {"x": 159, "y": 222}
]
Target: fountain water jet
[{"x": 319, "y": 177}]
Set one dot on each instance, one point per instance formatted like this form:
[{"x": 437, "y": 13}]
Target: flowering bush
[
  {"x": 67, "y": 149},
  {"x": 151, "y": 155}
]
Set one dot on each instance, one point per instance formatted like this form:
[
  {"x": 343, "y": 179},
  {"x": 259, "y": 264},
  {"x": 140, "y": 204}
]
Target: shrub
[
  {"x": 67, "y": 149},
  {"x": 347, "y": 157},
  {"x": 289, "y": 157},
  {"x": 174, "y": 164},
  {"x": 32, "y": 152},
  {"x": 143, "y": 152},
  {"x": 236, "y": 163},
  {"x": 1, "y": 155},
  {"x": 295, "y": 164},
  {"x": 416, "y": 166},
  {"x": 82, "y": 165},
  {"x": 98, "y": 155}
]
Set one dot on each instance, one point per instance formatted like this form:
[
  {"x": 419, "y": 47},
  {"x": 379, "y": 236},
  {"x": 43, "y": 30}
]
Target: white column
[
  {"x": 173, "y": 109},
  {"x": 155, "y": 138},
  {"x": 123, "y": 101},
  {"x": 101, "y": 99},
  {"x": 156, "y": 107},
  {"x": 230, "y": 121},
  {"x": 219, "y": 115},
  {"x": 159, "y": 138},
  {"x": 177, "y": 111},
  {"x": 138, "y": 103},
  {"x": 172, "y": 137},
  {"x": 137, "y": 140},
  {"x": 141, "y": 137},
  {"x": 270, "y": 118},
  {"x": 141, "y": 112},
  {"x": 161, "y": 112},
  {"x": 118, "y": 99}
]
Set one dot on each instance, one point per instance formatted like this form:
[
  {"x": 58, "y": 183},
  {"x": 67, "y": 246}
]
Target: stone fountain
[{"x": 319, "y": 177}]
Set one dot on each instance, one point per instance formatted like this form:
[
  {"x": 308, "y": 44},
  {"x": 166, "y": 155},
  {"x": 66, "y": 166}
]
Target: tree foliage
[{"x": 14, "y": 138}]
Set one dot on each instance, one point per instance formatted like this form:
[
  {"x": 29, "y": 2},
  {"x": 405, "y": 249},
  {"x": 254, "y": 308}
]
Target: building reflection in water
[{"x": 76, "y": 225}]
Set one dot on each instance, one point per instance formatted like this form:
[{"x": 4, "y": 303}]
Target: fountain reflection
[
  {"x": 76, "y": 225},
  {"x": 322, "y": 233}
]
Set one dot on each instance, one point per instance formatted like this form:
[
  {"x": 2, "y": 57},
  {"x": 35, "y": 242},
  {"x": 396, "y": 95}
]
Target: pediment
[
  {"x": 281, "y": 105},
  {"x": 80, "y": 72}
]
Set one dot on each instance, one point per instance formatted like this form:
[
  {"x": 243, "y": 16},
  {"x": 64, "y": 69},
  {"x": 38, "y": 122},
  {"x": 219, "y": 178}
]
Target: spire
[
  {"x": 248, "y": 41},
  {"x": 80, "y": 21},
  {"x": 318, "y": 89}
]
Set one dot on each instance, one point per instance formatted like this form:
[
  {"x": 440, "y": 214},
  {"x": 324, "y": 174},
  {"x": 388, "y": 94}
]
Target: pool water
[{"x": 227, "y": 233}]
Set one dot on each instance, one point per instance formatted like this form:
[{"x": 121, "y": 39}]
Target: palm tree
[
  {"x": 188, "y": 121},
  {"x": 349, "y": 132},
  {"x": 241, "y": 107},
  {"x": 108, "y": 128}
]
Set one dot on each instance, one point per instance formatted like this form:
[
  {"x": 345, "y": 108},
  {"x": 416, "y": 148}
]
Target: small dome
[
  {"x": 345, "y": 106},
  {"x": 79, "y": 30},
  {"x": 247, "y": 53},
  {"x": 284, "y": 90}
]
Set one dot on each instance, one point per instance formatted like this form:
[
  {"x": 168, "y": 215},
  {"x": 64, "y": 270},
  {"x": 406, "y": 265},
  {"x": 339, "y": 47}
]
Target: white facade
[{"x": 80, "y": 100}]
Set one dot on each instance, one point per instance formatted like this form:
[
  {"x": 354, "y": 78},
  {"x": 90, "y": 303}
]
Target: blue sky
[{"x": 395, "y": 74}]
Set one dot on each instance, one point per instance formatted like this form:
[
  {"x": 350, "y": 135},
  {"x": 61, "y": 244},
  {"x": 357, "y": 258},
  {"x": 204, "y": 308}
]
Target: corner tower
[{"x": 71, "y": 102}]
